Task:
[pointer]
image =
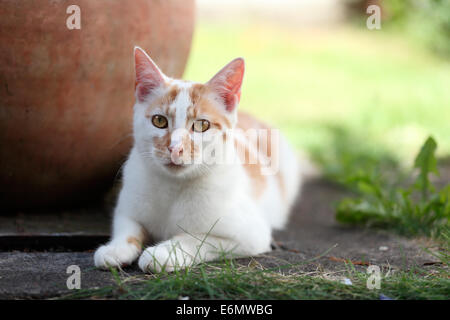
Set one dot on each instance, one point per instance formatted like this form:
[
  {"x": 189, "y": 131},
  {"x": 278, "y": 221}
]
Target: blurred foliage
[
  {"x": 352, "y": 96},
  {"x": 417, "y": 210},
  {"x": 348, "y": 156},
  {"x": 427, "y": 21}
]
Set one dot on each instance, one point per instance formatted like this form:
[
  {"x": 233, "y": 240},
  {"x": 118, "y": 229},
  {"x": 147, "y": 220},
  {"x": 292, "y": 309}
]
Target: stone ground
[{"x": 313, "y": 242}]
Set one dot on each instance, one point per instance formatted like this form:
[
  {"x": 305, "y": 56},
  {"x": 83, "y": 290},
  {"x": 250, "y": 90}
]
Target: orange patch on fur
[
  {"x": 172, "y": 94},
  {"x": 196, "y": 91},
  {"x": 246, "y": 122},
  {"x": 189, "y": 148},
  {"x": 201, "y": 105},
  {"x": 253, "y": 171},
  {"x": 135, "y": 242},
  {"x": 163, "y": 142},
  {"x": 139, "y": 240},
  {"x": 164, "y": 101}
]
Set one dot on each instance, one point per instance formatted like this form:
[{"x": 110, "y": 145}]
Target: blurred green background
[{"x": 350, "y": 96}]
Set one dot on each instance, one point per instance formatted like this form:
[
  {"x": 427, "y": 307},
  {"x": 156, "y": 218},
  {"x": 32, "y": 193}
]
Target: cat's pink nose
[{"x": 176, "y": 151}]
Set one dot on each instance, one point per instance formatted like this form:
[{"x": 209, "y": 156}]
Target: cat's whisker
[
  {"x": 116, "y": 177},
  {"x": 122, "y": 139}
]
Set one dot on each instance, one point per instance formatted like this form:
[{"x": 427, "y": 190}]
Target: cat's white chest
[
  {"x": 172, "y": 207},
  {"x": 162, "y": 199}
]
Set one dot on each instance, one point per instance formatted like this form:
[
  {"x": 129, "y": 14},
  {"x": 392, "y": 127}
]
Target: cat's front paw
[
  {"x": 115, "y": 255},
  {"x": 163, "y": 258}
]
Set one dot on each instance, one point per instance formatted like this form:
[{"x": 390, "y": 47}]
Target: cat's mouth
[{"x": 173, "y": 166}]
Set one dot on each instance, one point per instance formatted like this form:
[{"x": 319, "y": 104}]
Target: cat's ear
[
  {"x": 148, "y": 75},
  {"x": 227, "y": 83}
]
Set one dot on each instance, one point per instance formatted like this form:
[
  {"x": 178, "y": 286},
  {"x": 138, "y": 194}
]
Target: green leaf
[
  {"x": 426, "y": 163},
  {"x": 379, "y": 204}
]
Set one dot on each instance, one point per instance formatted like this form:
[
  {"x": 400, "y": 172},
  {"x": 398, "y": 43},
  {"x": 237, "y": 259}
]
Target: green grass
[{"x": 230, "y": 281}]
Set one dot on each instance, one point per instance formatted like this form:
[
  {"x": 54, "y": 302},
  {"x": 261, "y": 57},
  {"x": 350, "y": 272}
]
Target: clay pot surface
[{"x": 66, "y": 96}]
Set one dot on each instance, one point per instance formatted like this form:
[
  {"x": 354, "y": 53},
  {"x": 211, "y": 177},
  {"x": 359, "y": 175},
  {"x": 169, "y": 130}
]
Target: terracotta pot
[{"x": 66, "y": 96}]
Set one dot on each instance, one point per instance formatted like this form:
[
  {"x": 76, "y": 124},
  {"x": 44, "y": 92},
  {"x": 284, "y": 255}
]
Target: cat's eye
[
  {"x": 159, "y": 121},
  {"x": 200, "y": 125}
]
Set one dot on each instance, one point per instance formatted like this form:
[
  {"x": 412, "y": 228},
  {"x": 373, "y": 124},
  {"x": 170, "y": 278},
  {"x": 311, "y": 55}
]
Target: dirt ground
[{"x": 313, "y": 242}]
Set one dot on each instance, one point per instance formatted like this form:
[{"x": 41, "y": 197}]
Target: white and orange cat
[{"x": 197, "y": 210}]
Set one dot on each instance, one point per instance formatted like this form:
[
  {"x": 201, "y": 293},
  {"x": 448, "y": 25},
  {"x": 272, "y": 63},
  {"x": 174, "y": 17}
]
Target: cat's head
[{"x": 175, "y": 121}]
